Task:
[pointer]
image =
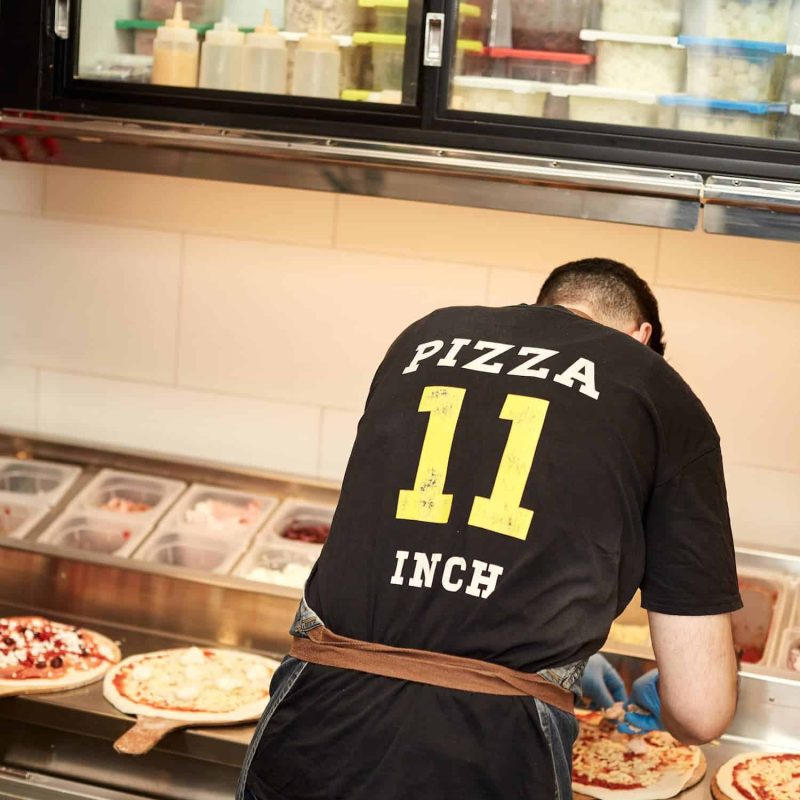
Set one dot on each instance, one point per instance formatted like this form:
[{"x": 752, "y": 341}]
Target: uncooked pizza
[
  {"x": 759, "y": 776},
  {"x": 609, "y": 765},
  {"x": 38, "y": 655},
  {"x": 193, "y": 684}
]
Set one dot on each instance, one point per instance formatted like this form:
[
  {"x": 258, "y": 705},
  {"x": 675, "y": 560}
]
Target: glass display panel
[
  {"x": 352, "y": 50},
  {"x": 714, "y": 67}
]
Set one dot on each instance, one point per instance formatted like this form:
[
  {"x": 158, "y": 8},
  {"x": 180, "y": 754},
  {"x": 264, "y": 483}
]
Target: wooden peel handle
[{"x": 145, "y": 735}]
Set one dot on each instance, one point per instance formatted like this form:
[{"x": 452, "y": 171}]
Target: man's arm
[{"x": 697, "y": 674}]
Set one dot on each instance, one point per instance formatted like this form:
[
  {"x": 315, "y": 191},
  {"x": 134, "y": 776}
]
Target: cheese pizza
[
  {"x": 38, "y": 655},
  {"x": 759, "y": 776},
  {"x": 608, "y": 765},
  {"x": 195, "y": 685}
]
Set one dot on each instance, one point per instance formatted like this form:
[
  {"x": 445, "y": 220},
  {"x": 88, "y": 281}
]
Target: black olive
[
  {"x": 41, "y": 664},
  {"x": 56, "y": 662}
]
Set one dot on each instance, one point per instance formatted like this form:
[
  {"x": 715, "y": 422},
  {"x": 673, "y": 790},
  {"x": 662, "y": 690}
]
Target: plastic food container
[
  {"x": 42, "y": 481},
  {"x": 753, "y": 20},
  {"x": 548, "y": 24},
  {"x": 299, "y": 523},
  {"x": 390, "y": 15},
  {"x": 121, "y": 67},
  {"x": 653, "y": 64},
  {"x": 499, "y": 96},
  {"x": 630, "y": 632},
  {"x": 724, "y": 117},
  {"x": 611, "y": 106},
  {"x": 17, "y": 518},
  {"x": 544, "y": 67},
  {"x": 755, "y": 627},
  {"x": 789, "y": 652},
  {"x": 287, "y": 567},
  {"x": 96, "y": 533},
  {"x": 200, "y": 11},
  {"x": 191, "y": 550},
  {"x": 727, "y": 70},
  {"x": 338, "y": 16},
  {"x": 129, "y": 494},
  {"x": 648, "y": 17},
  {"x": 791, "y": 84},
  {"x": 214, "y": 510}
]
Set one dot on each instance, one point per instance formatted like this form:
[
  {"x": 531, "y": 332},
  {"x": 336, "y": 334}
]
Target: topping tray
[
  {"x": 42, "y": 481},
  {"x": 96, "y": 532}
]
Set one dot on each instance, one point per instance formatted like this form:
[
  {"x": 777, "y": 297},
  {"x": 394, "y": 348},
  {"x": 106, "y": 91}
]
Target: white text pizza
[{"x": 759, "y": 776}]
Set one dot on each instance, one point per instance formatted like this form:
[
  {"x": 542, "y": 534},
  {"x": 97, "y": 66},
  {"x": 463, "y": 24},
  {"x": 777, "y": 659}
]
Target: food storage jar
[
  {"x": 726, "y": 117},
  {"x": 499, "y": 96},
  {"x": 199, "y": 11},
  {"x": 635, "y": 63},
  {"x": 749, "y": 20},
  {"x": 44, "y": 482},
  {"x": 542, "y": 66},
  {"x": 648, "y": 17},
  {"x": 103, "y": 534},
  {"x": 134, "y": 495},
  {"x": 19, "y": 518},
  {"x": 265, "y": 59},
  {"x": 222, "y": 58},
  {"x": 726, "y": 70},
  {"x": 548, "y": 24},
  {"x": 338, "y": 16},
  {"x": 191, "y": 550},
  {"x": 611, "y": 106},
  {"x": 285, "y": 565},
  {"x": 176, "y": 52}
]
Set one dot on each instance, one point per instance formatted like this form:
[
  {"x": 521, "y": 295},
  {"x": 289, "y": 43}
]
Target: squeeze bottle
[
  {"x": 316, "y": 64},
  {"x": 175, "y": 52},
  {"x": 222, "y": 59},
  {"x": 265, "y": 59}
]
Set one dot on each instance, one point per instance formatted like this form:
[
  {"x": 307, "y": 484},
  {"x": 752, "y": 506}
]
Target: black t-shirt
[{"x": 518, "y": 473}]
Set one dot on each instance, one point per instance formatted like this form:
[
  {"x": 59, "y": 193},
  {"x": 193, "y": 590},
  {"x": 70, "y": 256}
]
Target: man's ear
[{"x": 643, "y": 333}]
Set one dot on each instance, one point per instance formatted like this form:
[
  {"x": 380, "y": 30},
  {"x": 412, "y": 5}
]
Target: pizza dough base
[
  {"x": 252, "y": 711},
  {"x": 722, "y": 787},
  {"x": 72, "y": 680},
  {"x": 717, "y": 793},
  {"x": 634, "y": 794}
]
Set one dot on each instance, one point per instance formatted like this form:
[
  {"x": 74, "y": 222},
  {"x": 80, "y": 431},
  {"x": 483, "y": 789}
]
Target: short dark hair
[{"x": 611, "y": 288}]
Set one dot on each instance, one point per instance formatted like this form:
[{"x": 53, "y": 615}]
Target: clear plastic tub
[
  {"x": 650, "y": 17},
  {"x": 498, "y": 96},
  {"x": 752, "y": 20},
  {"x": 141, "y": 497},
  {"x": 387, "y": 67},
  {"x": 96, "y": 533},
  {"x": 544, "y": 67},
  {"x": 723, "y": 70},
  {"x": 789, "y": 651},
  {"x": 612, "y": 107},
  {"x": 43, "y": 481},
  {"x": 212, "y": 509},
  {"x": 200, "y": 11},
  {"x": 188, "y": 549},
  {"x": 287, "y": 567},
  {"x": 755, "y": 627},
  {"x": 553, "y": 25},
  {"x": 724, "y": 117},
  {"x": 651, "y": 64},
  {"x": 17, "y": 518},
  {"x": 301, "y": 523}
]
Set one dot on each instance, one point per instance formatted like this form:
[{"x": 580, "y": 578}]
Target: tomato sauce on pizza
[
  {"x": 34, "y": 648},
  {"x": 767, "y": 777}
]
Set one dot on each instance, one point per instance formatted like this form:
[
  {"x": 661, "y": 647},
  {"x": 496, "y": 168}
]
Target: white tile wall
[
  {"x": 18, "y": 393},
  {"x": 89, "y": 298},
  {"x": 303, "y": 324},
  {"x": 237, "y": 430},
  {"x": 21, "y": 187}
]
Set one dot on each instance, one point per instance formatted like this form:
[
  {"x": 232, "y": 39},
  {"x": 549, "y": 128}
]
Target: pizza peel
[{"x": 696, "y": 777}]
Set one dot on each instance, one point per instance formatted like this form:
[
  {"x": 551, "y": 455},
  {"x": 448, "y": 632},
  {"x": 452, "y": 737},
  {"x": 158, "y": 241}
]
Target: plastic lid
[
  {"x": 225, "y": 33},
  {"x": 399, "y": 40},
  {"x": 778, "y": 48},
  {"x": 759, "y": 109},
  {"x": 176, "y": 29},
  {"x": 581, "y": 59},
  {"x": 629, "y": 38},
  {"x": 603, "y": 93},
  {"x": 266, "y": 34},
  {"x": 319, "y": 39},
  {"x": 464, "y": 9}
]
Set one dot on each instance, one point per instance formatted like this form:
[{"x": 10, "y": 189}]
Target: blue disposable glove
[
  {"x": 645, "y": 696},
  {"x": 602, "y": 683}
]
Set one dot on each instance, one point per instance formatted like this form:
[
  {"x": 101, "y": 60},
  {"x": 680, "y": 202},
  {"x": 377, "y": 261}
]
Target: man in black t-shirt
[{"x": 517, "y": 475}]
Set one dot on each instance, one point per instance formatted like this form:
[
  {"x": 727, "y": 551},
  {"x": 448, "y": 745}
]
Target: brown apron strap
[{"x": 423, "y": 666}]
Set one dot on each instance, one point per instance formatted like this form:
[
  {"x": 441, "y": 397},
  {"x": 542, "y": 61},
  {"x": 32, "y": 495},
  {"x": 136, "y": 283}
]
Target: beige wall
[{"x": 243, "y": 323}]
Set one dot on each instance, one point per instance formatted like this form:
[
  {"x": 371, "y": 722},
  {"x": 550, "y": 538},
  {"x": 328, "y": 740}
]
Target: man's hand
[
  {"x": 602, "y": 683},
  {"x": 644, "y": 695}
]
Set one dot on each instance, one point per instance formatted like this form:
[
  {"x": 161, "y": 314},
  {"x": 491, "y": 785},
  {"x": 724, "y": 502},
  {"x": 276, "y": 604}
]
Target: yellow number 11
[{"x": 501, "y": 511}]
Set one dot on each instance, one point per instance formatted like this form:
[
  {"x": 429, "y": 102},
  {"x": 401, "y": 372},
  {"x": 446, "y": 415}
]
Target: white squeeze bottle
[
  {"x": 222, "y": 61},
  {"x": 316, "y": 65},
  {"x": 265, "y": 59},
  {"x": 175, "y": 52}
]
